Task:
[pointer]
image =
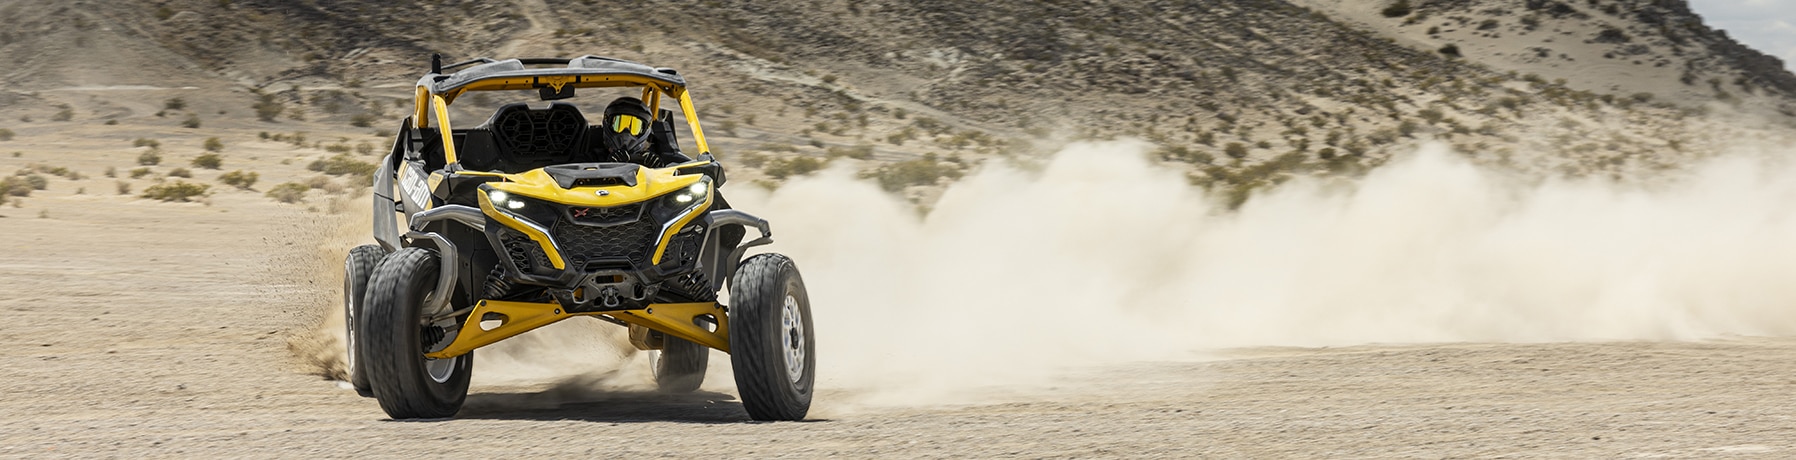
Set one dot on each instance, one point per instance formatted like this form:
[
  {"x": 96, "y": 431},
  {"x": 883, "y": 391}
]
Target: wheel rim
[
  {"x": 439, "y": 370},
  {"x": 349, "y": 321},
  {"x": 792, "y": 336}
]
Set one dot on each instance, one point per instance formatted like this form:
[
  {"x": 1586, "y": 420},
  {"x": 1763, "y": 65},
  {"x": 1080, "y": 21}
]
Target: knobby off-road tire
[
  {"x": 392, "y": 343},
  {"x": 357, "y": 269},
  {"x": 680, "y": 365},
  {"x": 772, "y": 344}
]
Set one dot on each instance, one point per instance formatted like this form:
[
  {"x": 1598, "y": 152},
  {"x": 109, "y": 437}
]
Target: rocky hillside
[
  {"x": 1239, "y": 92},
  {"x": 1617, "y": 46}
]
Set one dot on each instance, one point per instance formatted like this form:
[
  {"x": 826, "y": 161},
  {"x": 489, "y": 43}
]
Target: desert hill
[
  {"x": 1614, "y": 46},
  {"x": 1241, "y": 92}
]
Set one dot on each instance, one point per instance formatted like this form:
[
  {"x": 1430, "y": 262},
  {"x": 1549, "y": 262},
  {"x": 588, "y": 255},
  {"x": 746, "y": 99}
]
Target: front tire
[
  {"x": 680, "y": 365},
  {"x": 773, "y": 349},
  {"x": 358, "y": 267},
  {"x": 407, "y": 384}
]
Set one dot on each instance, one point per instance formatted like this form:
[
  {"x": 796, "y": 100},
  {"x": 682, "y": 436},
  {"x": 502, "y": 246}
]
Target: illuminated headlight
[
  {"x": 504, "y": 200},
  {"x": 672, "y": 205},
  {"x": 536, "y": 211},
  {"x": 691, "y": 194}
]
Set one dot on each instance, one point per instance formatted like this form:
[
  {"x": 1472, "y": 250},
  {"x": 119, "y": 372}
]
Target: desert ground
[{"x": 139, "y": 328}]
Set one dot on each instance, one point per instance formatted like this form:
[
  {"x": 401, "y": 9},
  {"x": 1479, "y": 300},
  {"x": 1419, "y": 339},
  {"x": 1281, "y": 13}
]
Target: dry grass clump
[
  {"x": 177, "y": 191},
  {"x": 22, "y": 185},
  {"x": 290, "y": 192},
  {"x": 5, "y": 134},
  {"x": 344, "y": 165},
  {"x": 208, "y": 161},
  {"x": 180, "y": 172},
  {"x": 781, "y": 168},
  {"x": 239, "y": 178},
  {"x": 139, "y": 173},
  {"x": 923, "y": 171}
]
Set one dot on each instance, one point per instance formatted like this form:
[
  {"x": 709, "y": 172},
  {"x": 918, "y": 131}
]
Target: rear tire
[
  {"x": 772, "y": 344},
  {"x": 407, "y": 384},
  {"x": 680, "y": 365},
  {"x": 358, "y": 267}
]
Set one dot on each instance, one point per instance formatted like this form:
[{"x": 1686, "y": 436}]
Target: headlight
[
  {"x": 672, "y": 205},
  {"x": 540, "y": 212}
]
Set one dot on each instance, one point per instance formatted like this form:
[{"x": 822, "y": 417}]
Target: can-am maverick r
[{"x": 510, "y": 227}]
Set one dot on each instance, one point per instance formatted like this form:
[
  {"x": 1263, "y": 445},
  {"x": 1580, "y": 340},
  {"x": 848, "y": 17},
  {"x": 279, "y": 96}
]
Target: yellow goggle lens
[{"x": 621, "y": 122}]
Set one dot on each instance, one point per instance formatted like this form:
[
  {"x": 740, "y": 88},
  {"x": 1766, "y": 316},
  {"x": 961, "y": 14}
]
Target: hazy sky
[{"x": 1765, "y": 25}]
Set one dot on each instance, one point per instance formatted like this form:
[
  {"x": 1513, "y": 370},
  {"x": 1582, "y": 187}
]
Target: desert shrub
[
  {"x": 1398, "y": 9},
  {"x": 149, "y": 158},
  {"x": 290, "y": 192},
  {"x": 922, "y": 171},
  {"x": 344, "y": 165},
  {"x": 138, "y": 173},
  {"x": 5, "y": 134},
  {"x": 180, "y": 172},
  {"x": 858, "y": 152},
  {"x": 124, "y": 188},
  {"x": 1451, "y": 50},
  {"x": 362, "y": 120},
  {"x": 1235, "y": 150},
  {"x": 66, "y": 113},
  {"x": 777, "y": 148},
  {"x": 214, "y": 145},
  {"x": 111, "y": 171},
  {"x": 16, "y": 186},
  {"x": 1432, "y": 116},
  {"x": 208, "y": 161},
  {"x": 240, "y": 179},
  {"x": 337, "y": 148},
  {"x": 181, "y": 191},
  {"x": 142, "y": 142},
  {"x": 781, "y": 168},
  {"x": 268, "y": 107},
  {"x": 1185, "y": 154},
  {"x": 174, "y": 104},
  {"x": 364, "y": 149}
]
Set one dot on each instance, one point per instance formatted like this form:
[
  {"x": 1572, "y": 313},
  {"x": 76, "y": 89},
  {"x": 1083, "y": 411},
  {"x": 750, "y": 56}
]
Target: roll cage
[{"x": 436, "y": 90}]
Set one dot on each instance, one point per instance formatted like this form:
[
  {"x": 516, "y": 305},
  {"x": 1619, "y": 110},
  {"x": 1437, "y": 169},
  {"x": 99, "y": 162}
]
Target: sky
[{"x": 1765, "y": 25}]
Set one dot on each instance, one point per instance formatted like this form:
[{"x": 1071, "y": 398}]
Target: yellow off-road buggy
[{"x": 509, "y": 228}]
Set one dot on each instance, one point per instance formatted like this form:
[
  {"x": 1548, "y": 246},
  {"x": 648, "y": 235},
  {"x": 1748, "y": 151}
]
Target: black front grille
[
  {"x": 633, "y": 241},
  {"x": 684, "y": 248},
  {"x": 610, "y": 215},
  {"x": 523, "y": 251}
]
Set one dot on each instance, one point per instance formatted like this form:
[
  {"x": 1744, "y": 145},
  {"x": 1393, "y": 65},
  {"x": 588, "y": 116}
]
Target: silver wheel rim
[
  {"x": 439, "y": 369},
  {"x": 792, "y": 336},
  {"x": 348, "y": 323}
]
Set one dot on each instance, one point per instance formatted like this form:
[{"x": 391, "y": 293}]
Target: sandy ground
[{"x": 144, "y": 329}]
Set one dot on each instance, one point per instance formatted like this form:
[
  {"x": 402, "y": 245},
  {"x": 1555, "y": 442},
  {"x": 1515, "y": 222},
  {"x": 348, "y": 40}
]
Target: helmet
[{"x": 627, "y": 128}]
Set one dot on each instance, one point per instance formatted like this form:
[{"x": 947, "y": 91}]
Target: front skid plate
[{"x": 676, "y": 319}]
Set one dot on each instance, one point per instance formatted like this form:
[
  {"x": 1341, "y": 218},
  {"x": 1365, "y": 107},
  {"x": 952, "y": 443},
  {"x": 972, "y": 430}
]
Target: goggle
[{"x": 619, "y": 123}]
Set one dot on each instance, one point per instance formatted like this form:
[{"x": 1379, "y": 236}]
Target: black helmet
[{"x": 627, "y": 128}]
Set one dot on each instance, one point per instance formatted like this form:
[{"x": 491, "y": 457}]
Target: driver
[{"x": 627, "y": 136}]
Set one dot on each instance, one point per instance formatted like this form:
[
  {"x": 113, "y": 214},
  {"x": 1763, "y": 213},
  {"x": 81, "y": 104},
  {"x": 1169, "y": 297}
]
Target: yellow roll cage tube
[
  {"x": 429, "y": 103},
  {"x": 677, "y": 319}
]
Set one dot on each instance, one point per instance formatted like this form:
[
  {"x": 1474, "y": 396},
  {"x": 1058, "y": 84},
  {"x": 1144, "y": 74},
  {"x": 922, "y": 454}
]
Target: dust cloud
[{"x": 1102, "y": 257}]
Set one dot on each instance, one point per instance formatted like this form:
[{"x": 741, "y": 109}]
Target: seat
[{"x": 518, "y": 138}]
